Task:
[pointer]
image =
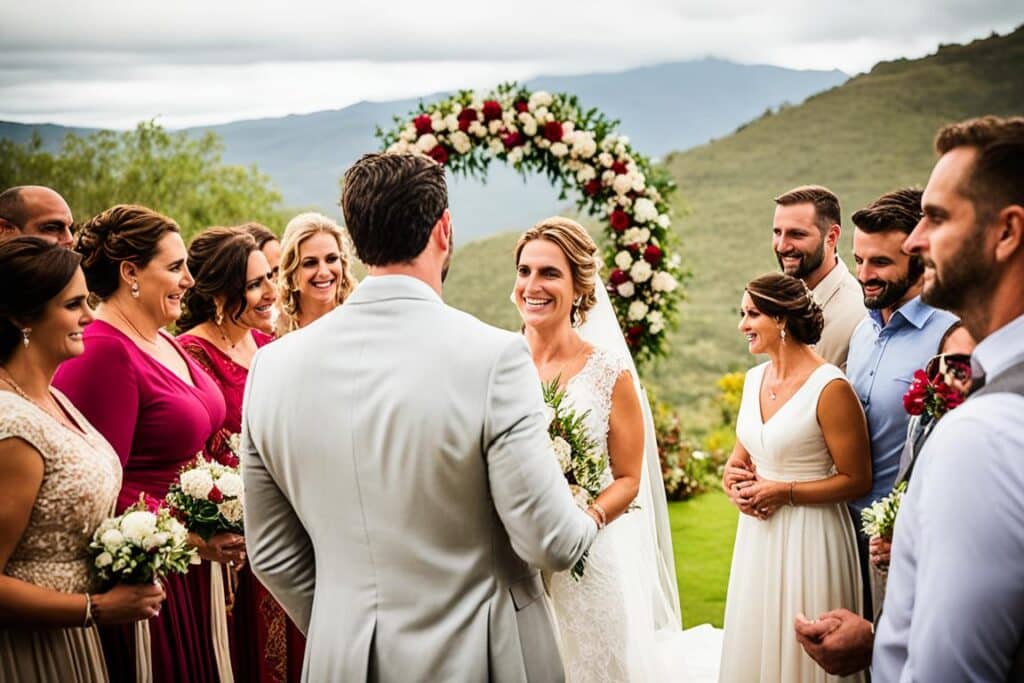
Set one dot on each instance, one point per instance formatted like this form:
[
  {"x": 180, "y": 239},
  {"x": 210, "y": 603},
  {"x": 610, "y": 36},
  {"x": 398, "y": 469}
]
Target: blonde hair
[
  {"x": 581, "y": 252},
  {"x": 298, "y": 230}
]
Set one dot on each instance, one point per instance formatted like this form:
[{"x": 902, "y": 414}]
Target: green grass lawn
[{"x": 703, "y": 531}]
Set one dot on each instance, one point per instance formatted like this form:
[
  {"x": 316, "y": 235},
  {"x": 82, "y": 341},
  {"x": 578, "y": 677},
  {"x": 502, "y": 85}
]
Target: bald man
[{"x": 35, "y": 210}]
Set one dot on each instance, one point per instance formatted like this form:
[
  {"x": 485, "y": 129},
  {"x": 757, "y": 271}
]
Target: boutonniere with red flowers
[{"x": 939, "y": 388}]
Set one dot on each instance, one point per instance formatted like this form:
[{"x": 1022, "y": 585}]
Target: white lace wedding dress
[{"x": 608, "y": 621}]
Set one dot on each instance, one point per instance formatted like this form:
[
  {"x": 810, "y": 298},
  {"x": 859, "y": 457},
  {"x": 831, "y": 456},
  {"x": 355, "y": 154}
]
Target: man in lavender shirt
[{"x": 954, "y": 609}]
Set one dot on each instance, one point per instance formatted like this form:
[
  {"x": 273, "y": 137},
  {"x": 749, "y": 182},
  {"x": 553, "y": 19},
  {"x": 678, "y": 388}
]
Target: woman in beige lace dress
[{"x": 59, "y": 479}]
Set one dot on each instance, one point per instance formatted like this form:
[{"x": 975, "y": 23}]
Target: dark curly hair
[
  {"x": 48, "y": 267},
  {"x": 126, "y": 232},
  {"x": 218, "y": 259},
  {"x": 787, "y": 298}
]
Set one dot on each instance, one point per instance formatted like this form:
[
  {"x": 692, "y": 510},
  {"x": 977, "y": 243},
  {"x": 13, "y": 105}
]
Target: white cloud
[{"x": 118, "y": 61}]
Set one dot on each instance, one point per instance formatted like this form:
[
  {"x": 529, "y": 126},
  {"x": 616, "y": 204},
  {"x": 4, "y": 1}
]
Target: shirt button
[{"x": 871, "y": 374}]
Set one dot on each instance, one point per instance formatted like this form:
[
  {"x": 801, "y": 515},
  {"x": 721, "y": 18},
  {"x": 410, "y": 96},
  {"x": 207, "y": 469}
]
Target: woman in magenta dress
[
  {"x": 231, "y": 301},
  {"x": 157, "y": 408}
]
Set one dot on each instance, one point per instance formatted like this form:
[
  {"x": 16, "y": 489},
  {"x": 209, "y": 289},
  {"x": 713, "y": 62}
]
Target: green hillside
[{"x": 865, "y": 137}]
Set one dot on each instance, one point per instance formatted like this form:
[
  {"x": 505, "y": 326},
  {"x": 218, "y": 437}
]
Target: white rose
[
  {"x": 624, "y": 139},
  {"x": 408, "y": 133},
  {"x": 495, "y": 146},
  {"x": 437, "y": 123},
  {"x": 586, "y": 173},
  {"x": 643, "y": 235},
  {"x": 607, "y": 177},
  {"x": 620, "y": 148},
  {"x": 541, "y": 98},
  {"x": 544, "y": 143},
  {"x": 644, "y": 210},
  {"x": 640, "y": 272},
  {"x": 451, "y": 122},
  {"x": 400, "y": 147},
  {"x": 563, "y": 452},
  {"x": 137, "y": 525},
  {"x": 477, "y": 129},
  {"x": 230, "y": 484},
  {"x": 176, "y": 529},
  {"x": 623, "y": 260},
  {"x": 583, "y": 145},
  {"x": 516, "y": 155},
  {"x": 663, "y": 282},
  {"x": 631, "y": 236},
  {"x": 626, "y": 290},
  {"x": 461, "y": 142},
  {"x": 155, "y": 540},
  {"x": 655, "y": 321},
  {"x": 663, "y": 221},
  {"x": 622, "y": 184},
  {"x": 639, "y": 182},
  {"x": 198, "y": 482},
  {"x": 542, "y": 115},
  {"x": 605, "y": 159},
  {"x": 231, "y": 510},
  {"x": 508, "y": 116},
  {"x": 637, "y": 310},
  {"x": 530, "y": 127},
  {"x": 111, "y": 538},
  {"x": 104, "y": 559},
  {"x": 426, "y": 143},
  {"x": 559, "y": 150},
  {"x": 608, "y": 143},
  {"x": 494, "y": 126}
]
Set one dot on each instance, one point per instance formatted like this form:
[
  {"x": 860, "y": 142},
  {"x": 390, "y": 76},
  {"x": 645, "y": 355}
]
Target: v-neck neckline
[
  {"x": 782, "y": 406},
  {"x": 192, "y": 382},
  {"x": 75, "y": 427}
]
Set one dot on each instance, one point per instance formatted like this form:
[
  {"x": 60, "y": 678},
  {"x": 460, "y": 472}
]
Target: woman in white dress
[
  {"x": 620, "y": 621},
  {"x": 802, "y": 451}
]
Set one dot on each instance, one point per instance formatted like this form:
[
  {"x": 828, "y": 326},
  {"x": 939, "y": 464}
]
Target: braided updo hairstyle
[
  {"x": 581, "y": 252},
  {"x": 126, "y": 232},
  {"x": 788, "y": 299}
]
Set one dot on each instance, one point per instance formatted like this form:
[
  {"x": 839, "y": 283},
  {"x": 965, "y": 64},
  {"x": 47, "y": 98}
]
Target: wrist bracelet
[
  {"x": 89, "y": 621},
  {"x": 791, "y": 485}
]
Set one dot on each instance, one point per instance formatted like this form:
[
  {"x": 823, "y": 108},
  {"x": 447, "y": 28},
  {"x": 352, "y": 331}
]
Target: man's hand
[{"x": 839, "y": 641}]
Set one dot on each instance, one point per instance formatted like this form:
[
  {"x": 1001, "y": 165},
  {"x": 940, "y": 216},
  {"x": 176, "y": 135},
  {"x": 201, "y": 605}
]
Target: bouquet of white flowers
[
  {"x": 207, "y": 498},
  {"x": 140, "y": 545},
  {"x": 879, "y": 518},
  {"x": 578, "y": 456}
]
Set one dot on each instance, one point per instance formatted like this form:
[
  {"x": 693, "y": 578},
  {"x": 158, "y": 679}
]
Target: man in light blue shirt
[
  {"x": 954, "y": 609},
  {"x": 897, "y": 337}
]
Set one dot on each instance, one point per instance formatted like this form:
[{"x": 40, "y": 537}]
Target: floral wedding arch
[{"x": 580, "y": 152}]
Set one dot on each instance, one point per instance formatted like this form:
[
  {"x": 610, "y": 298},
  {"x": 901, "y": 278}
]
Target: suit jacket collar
[{"x": 376, "y": 288}]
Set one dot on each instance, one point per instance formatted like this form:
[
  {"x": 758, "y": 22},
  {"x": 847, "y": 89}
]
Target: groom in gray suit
[{"x": 400, "y": 488}]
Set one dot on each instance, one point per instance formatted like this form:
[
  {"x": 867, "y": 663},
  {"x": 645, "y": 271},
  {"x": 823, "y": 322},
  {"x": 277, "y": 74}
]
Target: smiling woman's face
[{"x": 319, "y": 273}]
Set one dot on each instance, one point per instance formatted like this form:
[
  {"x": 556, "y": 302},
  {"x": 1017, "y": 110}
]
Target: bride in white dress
[
  {"x": 802, "y": 451},
  {"x": 620, "y": 622}
]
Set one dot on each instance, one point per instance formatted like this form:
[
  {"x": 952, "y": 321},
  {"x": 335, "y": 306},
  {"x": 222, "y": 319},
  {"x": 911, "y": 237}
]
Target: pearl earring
[
  {"x": 135, "y": 289},
  {"x": 25, "y": 332}
]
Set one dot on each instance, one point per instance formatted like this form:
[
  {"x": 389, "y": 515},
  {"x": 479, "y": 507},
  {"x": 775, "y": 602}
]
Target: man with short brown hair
[
  {"x": 35, "y": 210},
  {"x": 954, "y": 609},
  {"x": 806, "y": 232}
]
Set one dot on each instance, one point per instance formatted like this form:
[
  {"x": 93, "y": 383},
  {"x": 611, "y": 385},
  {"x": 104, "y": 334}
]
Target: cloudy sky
[{"x": 189, "y": 62}]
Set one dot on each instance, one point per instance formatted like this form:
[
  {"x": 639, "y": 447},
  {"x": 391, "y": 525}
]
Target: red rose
[
  {"x": 228, "y": 459},
  {"x": 652, "y": 255},
  {"x": 423, "y": 124},
  {"x": 635, "y": 331},
  {"x": 634, "y": 248},
  {"x": 492, "y": 110},
  {"x": 618, "y": 277},
  {"x": 522, "y": 106},
  {"x": 917, "y": 394},
  {"x": 438, "y": 154},
  {"x": 511, "y": 140},
  {"x": 619, "y": 220},
  {"x": 553, "y": 131},
  {"x": 466, "y": 117},
  {"x": 619, "y": 167},
  {"x": 592, "y": 187},
  {"x": 215, "y": 496}
]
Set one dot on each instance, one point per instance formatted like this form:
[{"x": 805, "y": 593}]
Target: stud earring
[
  {"x": 135, "y": 289},
  {"x": 25, "y": 332}
]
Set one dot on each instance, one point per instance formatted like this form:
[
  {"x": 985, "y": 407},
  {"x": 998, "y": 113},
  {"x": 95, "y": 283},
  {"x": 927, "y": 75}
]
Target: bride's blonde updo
[{"x": 581, "y": 252}]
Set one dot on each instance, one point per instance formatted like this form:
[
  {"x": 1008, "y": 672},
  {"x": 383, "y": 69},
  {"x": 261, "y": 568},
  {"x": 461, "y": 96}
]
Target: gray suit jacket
[{"x": 399, "y": 486}]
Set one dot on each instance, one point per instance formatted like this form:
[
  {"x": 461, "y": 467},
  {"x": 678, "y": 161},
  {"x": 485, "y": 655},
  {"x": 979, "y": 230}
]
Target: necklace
[
  {"x": 9, "y": 381},
  {"x": 224, "y": 336},
  {"x": 138, "y": 333}
]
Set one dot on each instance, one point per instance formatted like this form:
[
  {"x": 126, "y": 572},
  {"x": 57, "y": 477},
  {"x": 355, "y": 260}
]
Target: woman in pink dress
[
  {"x": 157, "y": 408},
  {"x": 231, "y": 301}
]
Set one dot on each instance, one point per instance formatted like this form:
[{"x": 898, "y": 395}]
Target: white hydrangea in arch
[{"x": 581, "y": 153}]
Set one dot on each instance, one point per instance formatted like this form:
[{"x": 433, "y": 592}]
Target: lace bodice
[
  {"x": 591, "y": 389},
  {"x": 81, "y": 478}
]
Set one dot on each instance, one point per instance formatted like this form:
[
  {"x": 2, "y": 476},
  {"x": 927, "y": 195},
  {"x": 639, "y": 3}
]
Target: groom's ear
[{"x": 443, "y": 230}]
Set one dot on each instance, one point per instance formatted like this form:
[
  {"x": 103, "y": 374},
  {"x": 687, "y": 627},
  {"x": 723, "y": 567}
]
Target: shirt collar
[
  {"x": 829, "y": 284},
  {"x": 1000, "y": 350},
  {"x": 915, "y": 312}
]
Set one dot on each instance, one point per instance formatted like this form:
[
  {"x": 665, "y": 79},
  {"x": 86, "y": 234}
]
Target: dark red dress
[
  {"x": 157, "y": 423},
  {"x": 265, "y": 645}
]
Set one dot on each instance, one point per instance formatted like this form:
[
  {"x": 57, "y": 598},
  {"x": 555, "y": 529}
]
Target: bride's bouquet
[
  {"x": 581, "y": 461},
  {"x": 879, "y": 518},
  {"x": 140, "y": 545},
  {"x": 207, "y": 498}
]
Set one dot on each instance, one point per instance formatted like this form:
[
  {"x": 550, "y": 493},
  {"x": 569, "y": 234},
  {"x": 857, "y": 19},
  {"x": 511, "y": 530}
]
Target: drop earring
[
  {"x": 135, "y": 289},
  {"x": 25, "y": 332},
  {"x": 782, "y": 333}
]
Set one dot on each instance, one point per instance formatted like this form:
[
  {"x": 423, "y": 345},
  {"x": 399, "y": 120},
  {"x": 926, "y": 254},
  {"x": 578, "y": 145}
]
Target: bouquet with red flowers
[{"x": 940, "y": 388}]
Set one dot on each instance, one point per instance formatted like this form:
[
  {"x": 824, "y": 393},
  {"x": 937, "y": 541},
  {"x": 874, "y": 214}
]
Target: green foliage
[
  {"x": 685, "y": 470},
  {"x": 181, "y": 176}
]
